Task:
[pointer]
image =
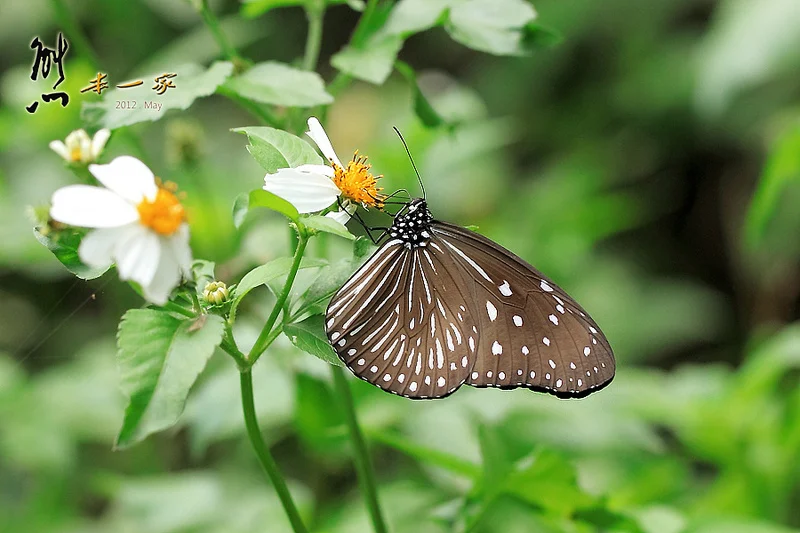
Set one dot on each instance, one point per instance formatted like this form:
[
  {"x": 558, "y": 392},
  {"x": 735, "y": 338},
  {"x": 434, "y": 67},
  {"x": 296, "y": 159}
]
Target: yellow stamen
[
  {"x": 357, "y": 183},
  {"x": 164, "y": 214},
  {"x": 76, "y": 154}
]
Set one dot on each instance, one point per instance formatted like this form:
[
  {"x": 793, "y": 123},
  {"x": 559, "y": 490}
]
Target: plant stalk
[
  {"x": 263, "y": 454},
  {"x": 264, "y": 338},
  {"x": 361, "y": 457}
]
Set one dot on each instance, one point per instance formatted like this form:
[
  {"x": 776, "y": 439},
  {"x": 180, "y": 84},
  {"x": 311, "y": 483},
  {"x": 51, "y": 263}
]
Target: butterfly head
[{"x": 412, "y": 225}]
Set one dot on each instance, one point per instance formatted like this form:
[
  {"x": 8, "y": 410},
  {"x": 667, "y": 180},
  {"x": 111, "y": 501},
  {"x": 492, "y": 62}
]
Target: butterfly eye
[{"x": 438, "y": 306}]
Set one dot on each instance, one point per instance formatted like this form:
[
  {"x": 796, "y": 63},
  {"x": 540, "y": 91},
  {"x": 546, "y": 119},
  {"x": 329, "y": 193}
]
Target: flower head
[
  {"x": 79, "y": 148},
  {"x": 139, "y": 224},
  {"x": 312, "y": 188}
]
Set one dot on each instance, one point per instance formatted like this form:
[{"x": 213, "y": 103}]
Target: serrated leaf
[
  {"x": 261, "y": 198},
  {"x": 422, "y": 107},
  {"x": 274, "y": 149},
  {"x": 327, "y": 225},
  {"x": 309, "y": 336},
  {"x": 491, "y": 26},
  {"x": 372, "y": 61},
  {"x": 64, "y": 245},
  {"x": 280, "y": 84},
  {"x": 264, "y": 274},
  {"x": 191, "y": 82},
  {"x": 159, "y": 358}
]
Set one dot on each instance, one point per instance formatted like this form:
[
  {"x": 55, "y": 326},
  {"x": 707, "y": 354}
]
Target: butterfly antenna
[{"x": 419, "y": 178}]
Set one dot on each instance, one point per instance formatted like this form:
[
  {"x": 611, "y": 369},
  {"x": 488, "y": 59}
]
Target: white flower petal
[
  {"x": 97, "y": 247},
  {"x": 165, "y": 279},
  {"x": 61, "y": 149},
  {"x": 307, "y": 191},
  {"x": 343, "y": 215},
  {"x": 91, "y": 207},
  {"x": 137, "y": 254},
  {"x": 86, "y": 150},
  {"x": 179, "y": 244},
  {"x": 128, "y": 177},
  {"x": 318, "y": 135},
  {"x": 76, "y": 139},
  {"x": 325, "y": 170},
  {"x": 99, "y": 142}
]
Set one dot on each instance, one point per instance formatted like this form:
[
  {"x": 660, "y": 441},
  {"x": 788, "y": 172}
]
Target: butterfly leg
[{"x": 368, "y": 229}]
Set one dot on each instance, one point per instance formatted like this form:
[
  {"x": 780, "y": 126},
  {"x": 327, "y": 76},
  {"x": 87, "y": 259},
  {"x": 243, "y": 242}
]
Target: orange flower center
[
  {"x": 357, "y": 183},
  {"x": 164, "y": 214}
]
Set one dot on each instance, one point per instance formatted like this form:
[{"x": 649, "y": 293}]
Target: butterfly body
[{"x": 438, "y": 306}]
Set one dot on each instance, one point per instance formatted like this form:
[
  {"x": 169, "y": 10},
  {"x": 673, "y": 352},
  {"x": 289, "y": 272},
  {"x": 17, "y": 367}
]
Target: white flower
[
  {"x": 79, "y": 148},
  {"x": 140, "y": 226},
  {"x": 312, "y": 188}
]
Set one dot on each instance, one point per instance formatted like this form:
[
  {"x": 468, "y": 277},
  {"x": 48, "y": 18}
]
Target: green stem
[
  {"x": 74, "y": 33},
  {"x": 314, "y": 12},
  {"x": 231, "y": 349},
  {"x": 258, "y": 111},
  {"x": 175, "y": 308},
  {"x": 213, "y": 24},
  {"x": 361, "y": 456},
  {"x": 360, "y": 33},
  {"x": 263, "y": 340},
  {"x": 263, "y": 454}
]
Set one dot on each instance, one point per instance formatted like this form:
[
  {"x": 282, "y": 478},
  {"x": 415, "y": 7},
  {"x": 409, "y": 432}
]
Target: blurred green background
[{"x": 649, "y": 163}]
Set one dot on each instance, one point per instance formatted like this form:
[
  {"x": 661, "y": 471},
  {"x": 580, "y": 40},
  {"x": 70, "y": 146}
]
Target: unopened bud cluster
[{"x": 215, "y": 293}]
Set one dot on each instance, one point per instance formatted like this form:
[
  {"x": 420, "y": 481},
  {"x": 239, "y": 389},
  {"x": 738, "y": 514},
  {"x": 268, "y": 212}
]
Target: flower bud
[{"x": 215, "y": 293}]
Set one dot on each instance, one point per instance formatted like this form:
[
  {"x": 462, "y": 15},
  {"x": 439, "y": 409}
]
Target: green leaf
[
  {"x": 309, "y": 336},
  {"x": 318, "y": 421},
  {"x": 279, "y": 84},
  {"x": 492, "y": 26},
  {"x": 327, "y": 225},
  {"x": 371, "y": 62},
  {"x": 413, "y": 16},
  {"x": 64, "y": 245},
  {"x": 315, "y": 299},
  {"x": 256, "y": 8},
  {"x": 202, "y": 274},
  {"x": 262, "y": 275},
  {"x": 773, "y": 220},
  {"x": 159, "y": 358},
  {"x": 261, "y": 198},
  {"x": 363, "y": 247},
  {"x": 192, "y": 82},
  {"x": 274, "y": 149},
  {"x": 548, "y": 480},
  {"x": 422, "y": 107}
]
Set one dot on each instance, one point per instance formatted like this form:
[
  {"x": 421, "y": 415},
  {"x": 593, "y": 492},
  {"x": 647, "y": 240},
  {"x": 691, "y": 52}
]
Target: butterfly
[{"x": 437, "y": 306}]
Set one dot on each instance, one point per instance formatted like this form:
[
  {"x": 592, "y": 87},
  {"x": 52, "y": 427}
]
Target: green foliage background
[{"x": 645, "y": 155}]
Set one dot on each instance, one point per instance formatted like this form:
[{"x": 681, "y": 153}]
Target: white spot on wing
[
  {"x": 553, "y": 319},
  {"x": 545, "y": 287},
  {"x": 546, "y": 341},
  {"x": 517, "y": 321},
  {"x": 440, "y": 381},
  {"x": 491, "y": 310},
  {"x": 497, "y": 348},
  {"x": 505, "y": 289}
]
